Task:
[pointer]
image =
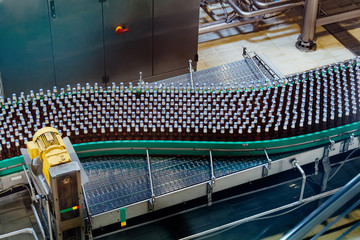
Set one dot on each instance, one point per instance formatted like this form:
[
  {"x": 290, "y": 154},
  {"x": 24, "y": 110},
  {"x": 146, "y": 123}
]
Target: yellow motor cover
[{"x": 48, "y": 145}]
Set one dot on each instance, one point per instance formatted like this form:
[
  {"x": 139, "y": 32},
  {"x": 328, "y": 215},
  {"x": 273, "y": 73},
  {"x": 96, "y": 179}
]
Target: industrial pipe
[
  {"x": 38, "y": 221},
  {"x": 262, "y": 11},
  {"x": 306, "y": 39},
  {"x": 303, "y": 175},
  {"x": 221, "y": 25},
  {"x": 262, "y": 5}
]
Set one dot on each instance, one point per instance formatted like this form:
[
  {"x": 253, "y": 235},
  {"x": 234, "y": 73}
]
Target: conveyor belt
[
  {"x": 239, "y": 74},
  {"x": 115, "y": 182},
  {"x": 118, "y": 181},
  {"x": 296, "y": 115},
  {"x": 123, "y": 181}
]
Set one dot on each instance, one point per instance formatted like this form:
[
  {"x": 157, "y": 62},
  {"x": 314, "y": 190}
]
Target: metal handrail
[
  {"x": 17, "y": 232},
  {"x": 322, "y": 213},
  {"x": 262, "y": 11}
]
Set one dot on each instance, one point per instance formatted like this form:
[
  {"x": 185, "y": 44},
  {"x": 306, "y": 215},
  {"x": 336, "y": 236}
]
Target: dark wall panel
[
  {"x": 131, "y": 52},
  {"x": 77, "y": 39},
  {"x": 25, "y": 46},
  {"x": 176, "y": 27}
]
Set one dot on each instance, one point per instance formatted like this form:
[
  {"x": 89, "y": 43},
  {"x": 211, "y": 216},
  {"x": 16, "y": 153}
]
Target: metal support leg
[
  {"x": 306, "y": 41},
  {"x": 327, "y": 169},
  {"x": 296, "y": 164},
  {"x": 346, "y": 144},
  {"x": 209, "y": 193}
]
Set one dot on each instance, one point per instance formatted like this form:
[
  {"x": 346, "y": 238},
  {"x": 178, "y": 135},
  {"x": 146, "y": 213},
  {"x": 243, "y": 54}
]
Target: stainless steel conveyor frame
[{"x": 224, "y": 182}]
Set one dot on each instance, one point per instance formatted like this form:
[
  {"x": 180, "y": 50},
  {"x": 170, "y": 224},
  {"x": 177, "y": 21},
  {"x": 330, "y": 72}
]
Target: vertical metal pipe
[
  {"x": 309, "y": 20},
  {"x": 306, "y": 40},
  {"x": 38, "y": 221},
  {"x": 49, "y": 219},
  {"x": 295, "y": 163}
]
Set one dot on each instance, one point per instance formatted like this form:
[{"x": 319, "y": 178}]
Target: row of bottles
[{"x": 309, "y": 102}]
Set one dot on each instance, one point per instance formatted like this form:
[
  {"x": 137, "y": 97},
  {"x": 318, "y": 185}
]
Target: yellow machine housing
[{"x": 48, "y": 145}]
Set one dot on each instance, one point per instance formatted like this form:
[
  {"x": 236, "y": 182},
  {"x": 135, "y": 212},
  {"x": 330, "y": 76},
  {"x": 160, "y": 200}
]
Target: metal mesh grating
[{"x": 117, "y": 181}]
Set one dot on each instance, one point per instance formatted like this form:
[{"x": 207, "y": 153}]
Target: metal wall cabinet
[
  {"x": 25, "y": 46},
  {"x": 131, "y": 52},
  {"x": 55, "y": 42},
  {"x": 176, "y": 27},
  {"x": 76, "y": 30}
]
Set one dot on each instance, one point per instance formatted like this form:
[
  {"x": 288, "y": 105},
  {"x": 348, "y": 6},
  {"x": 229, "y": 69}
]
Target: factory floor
[{"x": 277, "y": 42}]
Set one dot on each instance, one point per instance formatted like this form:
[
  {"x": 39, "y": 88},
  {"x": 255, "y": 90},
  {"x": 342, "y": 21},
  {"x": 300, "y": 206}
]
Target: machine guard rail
[{"x": 349, "y": 191}]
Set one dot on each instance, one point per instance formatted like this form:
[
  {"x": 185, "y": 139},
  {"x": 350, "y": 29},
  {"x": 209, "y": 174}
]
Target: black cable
[{"x": 342, "y": 164}]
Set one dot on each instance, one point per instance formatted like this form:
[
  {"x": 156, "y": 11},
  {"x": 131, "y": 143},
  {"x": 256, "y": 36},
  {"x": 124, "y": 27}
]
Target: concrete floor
[{"x": 277, "y": 43}]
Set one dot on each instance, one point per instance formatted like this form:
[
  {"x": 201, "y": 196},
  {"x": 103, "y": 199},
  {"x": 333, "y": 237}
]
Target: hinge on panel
[
  {"x": 52, "y": 8},
  {"x": 209, "y": 192},
  {"x": 196, "y": 58}
]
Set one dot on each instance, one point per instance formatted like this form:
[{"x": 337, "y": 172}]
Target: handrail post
[
  {"x": 152, "y": 199},
  {"x": 296, "y": 164}
]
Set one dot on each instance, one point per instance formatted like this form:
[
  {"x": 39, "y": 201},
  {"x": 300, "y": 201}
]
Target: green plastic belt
[{"x": 200, "y": 147}]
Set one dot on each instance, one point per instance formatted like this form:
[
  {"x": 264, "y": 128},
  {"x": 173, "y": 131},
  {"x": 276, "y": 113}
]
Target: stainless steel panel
[
  {"x": 113, "y": 216},
  {"x": 25, "y": 46},
  {"x": 77, "y": 39},
  {"x": 129, "y": 53},
  {"x": 176, "y": 26},
  {"x": 12, "y": 180}
]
